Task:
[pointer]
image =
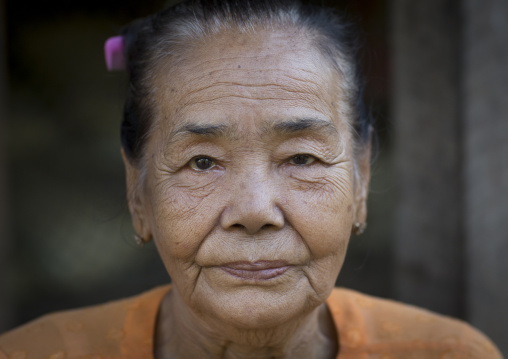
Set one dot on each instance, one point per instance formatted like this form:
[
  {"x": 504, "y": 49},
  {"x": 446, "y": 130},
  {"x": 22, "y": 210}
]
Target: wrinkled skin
[{"x": 249, "y": 161}]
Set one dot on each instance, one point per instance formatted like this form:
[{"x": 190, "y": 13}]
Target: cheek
[
  {"x": 323, "y": 214},
  {"x": 182, "y": 215}
]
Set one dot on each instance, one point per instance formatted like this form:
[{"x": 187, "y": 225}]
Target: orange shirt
[{"x": 368, "y": 328}]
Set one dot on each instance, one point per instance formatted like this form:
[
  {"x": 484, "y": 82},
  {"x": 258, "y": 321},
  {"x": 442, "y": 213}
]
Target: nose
[{"x": 253, "y": 205}]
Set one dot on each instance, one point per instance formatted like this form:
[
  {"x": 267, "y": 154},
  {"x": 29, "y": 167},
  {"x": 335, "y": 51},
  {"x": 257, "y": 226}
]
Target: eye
[
  {"x": 302, "y": 160},
  {"x": 202, "y": 163}
]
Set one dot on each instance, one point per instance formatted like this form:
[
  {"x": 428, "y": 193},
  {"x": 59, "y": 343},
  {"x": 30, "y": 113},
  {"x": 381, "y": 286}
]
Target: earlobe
[{"x": 135, "y": 200}]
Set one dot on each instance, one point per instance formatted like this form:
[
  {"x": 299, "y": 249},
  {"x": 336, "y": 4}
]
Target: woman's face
[{"x": 248, "y": 187}]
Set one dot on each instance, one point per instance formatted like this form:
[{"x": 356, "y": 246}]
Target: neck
[{"x": 180, "y": 333}]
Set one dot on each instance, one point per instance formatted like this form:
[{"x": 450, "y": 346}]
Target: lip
[{"x": 261, "y": 270}]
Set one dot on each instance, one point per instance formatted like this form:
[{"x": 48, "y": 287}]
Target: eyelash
[
  {"x": 206, "y": 160},
  {"x": 302, "y": 156},
  {"x": 194, "y": 165}
]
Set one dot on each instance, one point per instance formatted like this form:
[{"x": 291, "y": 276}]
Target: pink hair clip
[{"x": 114, "y": 53}]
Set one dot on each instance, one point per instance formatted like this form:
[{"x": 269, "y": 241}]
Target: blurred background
[{"x": 438, "y": 208}]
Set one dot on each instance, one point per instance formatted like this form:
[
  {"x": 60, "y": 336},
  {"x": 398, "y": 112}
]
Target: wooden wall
[{"x": 450, "y": 113}]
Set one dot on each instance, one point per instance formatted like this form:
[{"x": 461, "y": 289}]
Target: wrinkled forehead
[{"x": 268, "y": 74}]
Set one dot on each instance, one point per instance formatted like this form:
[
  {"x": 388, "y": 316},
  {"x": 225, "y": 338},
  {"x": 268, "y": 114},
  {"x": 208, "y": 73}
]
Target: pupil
[
  {"x": 203, "y": 163},
  {"x": 300, "y": 159}
]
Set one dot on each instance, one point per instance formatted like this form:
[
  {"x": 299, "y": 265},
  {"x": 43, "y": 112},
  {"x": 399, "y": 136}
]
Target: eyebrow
[
  {"x": 302, "y": 124},
  {"x": 203, "y": 130},
  {"x": 287, "y": 127},
  {"x": 198, "y": 129}
]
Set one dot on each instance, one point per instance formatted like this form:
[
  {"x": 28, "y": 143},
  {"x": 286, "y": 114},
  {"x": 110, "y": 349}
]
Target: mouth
[{"x": 262, "y": 270}]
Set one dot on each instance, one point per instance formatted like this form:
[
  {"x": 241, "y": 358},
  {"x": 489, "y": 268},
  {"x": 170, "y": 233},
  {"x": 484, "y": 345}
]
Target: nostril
[{"x": 241, "y": 226}]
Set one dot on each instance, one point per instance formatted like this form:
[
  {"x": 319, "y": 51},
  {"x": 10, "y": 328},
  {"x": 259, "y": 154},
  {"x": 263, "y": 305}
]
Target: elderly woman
[{"x": 247, "y": 148}]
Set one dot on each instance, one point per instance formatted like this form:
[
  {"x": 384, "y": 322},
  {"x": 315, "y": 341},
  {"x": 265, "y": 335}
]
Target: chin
[{"x": 251, "y": 308}]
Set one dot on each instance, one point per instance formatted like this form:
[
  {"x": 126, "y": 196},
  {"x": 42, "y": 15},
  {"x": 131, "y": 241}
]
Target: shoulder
[
  {"x": 394, "y": 330},
  {"x": 94, "y": 332}
]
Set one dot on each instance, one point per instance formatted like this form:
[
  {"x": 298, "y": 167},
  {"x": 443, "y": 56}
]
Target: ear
[
  {"x": 136, "y": 199},
  {"x": 362, "y": 178}
]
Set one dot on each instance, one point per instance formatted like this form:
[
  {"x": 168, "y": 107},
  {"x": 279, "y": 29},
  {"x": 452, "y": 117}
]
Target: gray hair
[{"x": 163, "y": 36}]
